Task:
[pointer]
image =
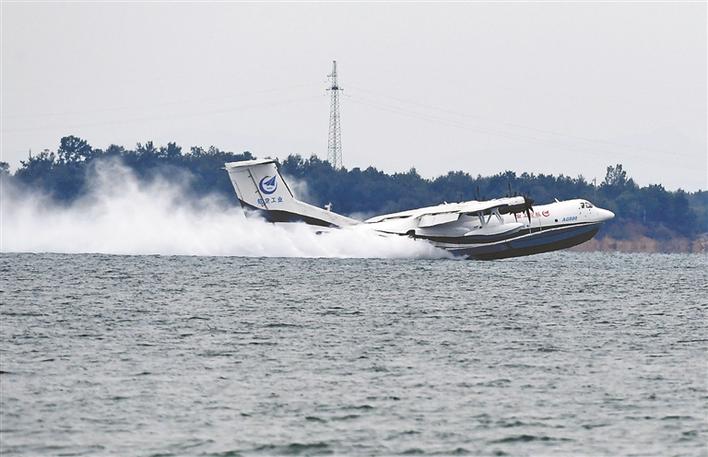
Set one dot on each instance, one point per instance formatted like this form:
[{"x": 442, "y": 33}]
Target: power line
[
  {"x": 517, "y": 126},
  {"x": 167, "y": 117},
  {"x": 163, "y": 104}
]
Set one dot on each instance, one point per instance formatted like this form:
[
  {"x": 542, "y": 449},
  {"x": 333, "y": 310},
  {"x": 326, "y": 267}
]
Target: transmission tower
[{"x": 334, "y": 142}]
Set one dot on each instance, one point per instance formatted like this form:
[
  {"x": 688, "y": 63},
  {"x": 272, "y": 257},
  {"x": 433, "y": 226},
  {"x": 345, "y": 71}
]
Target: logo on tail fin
[{"x": 268, "y": 185}]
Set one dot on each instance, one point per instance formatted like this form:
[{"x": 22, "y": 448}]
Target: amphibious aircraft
[{"x": 491, "y": 229}]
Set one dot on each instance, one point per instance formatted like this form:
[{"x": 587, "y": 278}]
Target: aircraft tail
[{"x": 260, "y": 187}]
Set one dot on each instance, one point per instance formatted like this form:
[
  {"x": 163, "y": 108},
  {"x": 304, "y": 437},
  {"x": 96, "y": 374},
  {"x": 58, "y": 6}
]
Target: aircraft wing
[
  {"x": 510, "y": 203},
  {"x": 431, "y": 220},
  {"x": 449, "y": 212}
]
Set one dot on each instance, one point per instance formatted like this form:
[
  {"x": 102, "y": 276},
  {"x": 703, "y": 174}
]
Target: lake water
[{"x": 556, "y": 354}]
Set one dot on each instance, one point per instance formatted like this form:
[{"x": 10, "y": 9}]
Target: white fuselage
[{"x": 569, "y": 212}]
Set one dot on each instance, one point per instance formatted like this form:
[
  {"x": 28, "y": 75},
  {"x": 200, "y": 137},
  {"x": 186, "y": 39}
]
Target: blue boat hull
[{"x": 530, "y": 243}]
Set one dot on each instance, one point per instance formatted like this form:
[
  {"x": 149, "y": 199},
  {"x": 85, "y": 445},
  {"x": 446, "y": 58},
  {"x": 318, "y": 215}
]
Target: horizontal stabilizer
[{"x": 260, "y": 187}]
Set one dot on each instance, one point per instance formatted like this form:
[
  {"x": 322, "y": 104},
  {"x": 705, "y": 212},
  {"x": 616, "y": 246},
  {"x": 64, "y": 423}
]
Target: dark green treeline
[{"x": 651, "y": 211}]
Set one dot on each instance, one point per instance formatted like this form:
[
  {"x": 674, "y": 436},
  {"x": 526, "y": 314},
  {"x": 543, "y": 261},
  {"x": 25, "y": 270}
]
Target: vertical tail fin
[{"x": 259, "y": 186}]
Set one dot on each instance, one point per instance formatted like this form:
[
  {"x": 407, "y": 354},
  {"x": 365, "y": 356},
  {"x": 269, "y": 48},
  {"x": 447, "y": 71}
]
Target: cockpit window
[
  {"x": 588, "y": 205},
  {"x": 582, "y": 204}
]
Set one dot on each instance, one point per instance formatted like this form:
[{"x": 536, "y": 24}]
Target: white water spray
[{"x": 121, "y": 215}]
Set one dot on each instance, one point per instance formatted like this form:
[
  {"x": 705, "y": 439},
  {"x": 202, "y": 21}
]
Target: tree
[
  {"x": 115, "y": 151},
  {"x": 40, "y": 164},
  {"x": 148, "y": 149},
  {"x": 616, "y": 176},
  {"x": 73, "y": 149},
  {"x": 172, "y": 151}
]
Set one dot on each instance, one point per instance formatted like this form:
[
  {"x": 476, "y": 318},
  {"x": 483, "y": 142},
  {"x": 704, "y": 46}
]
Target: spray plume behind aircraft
[{"x": 120, "y": 214}]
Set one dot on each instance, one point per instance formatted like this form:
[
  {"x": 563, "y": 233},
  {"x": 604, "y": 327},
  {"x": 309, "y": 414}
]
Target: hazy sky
[{"x": 541, "y": 87}]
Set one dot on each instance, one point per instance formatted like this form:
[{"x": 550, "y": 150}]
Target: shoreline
[{"x": 645, "y": 244}]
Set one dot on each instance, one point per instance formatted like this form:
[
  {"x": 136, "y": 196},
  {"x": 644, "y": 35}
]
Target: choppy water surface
[{"x": 565, "y": 353}]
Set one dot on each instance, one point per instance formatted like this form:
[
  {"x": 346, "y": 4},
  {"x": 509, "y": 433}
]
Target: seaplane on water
[{"x": 485, "y": 230}]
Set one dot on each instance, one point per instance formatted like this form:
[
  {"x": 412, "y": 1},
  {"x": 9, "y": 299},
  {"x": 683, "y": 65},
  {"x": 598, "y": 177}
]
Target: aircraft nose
[{"x": 604, "y": 214}]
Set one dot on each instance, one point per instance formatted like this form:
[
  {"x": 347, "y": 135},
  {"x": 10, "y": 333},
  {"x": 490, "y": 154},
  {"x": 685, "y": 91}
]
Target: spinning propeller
[
  {"x": 528, "y": 207},
  {"x": 525, "y": 207}
]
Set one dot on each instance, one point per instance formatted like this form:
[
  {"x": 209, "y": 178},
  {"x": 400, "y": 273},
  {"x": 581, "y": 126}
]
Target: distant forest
[{"x": 650, "y": 211}]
